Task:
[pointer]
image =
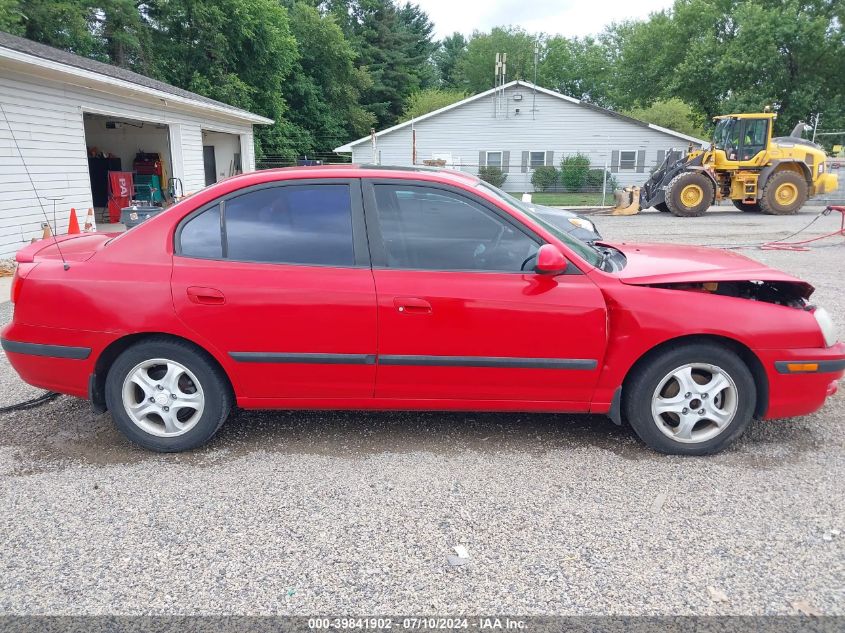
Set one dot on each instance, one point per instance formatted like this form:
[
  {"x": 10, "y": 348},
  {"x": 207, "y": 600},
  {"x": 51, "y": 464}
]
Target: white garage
[{"x": 68, "y": 122}]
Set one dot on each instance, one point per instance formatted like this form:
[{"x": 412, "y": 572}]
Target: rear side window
[
  {"x": 294, "y": 224},
  {"x": 201, "y": 235},
  {"x": 307, "y": 224}
]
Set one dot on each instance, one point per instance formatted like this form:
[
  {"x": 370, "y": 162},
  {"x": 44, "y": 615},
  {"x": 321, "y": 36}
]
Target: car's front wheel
[
  {"x": 166, "y": 395},
  {"x": 690, "y": 399}
]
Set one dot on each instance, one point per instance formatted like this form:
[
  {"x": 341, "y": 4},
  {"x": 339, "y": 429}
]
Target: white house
[
  {"x": 68, "y": 120},
  {"x": 519, "y": 127}
]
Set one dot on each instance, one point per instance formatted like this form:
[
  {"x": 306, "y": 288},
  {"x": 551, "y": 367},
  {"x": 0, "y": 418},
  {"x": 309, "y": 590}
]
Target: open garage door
[
  {"x": 139, "y": 150},
  {"x": 221, "y": 153}
]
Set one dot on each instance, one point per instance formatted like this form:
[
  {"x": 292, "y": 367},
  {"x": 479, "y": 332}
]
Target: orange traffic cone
[
  {"x": 90, "y": 222},
  {"x": 48, "y": 232},
  {"x": 73, "y": 223}
]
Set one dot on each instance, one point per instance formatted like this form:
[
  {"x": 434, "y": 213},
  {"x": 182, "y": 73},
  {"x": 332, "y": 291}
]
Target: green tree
[
  {"x": 476, "y": 68},
  {"x": 580, "y": 68},
  {"x": 239, "y": 52},
  {"x": 393, "y": 45},
  {"x": 322, "y": 92},
  {"x": 449, "y": 53},
  {"x": 11, "y": 17},
  {"x": 64, "y": 24},
  {"x": 428, "y": 100},
  {"x": 673, "y": 114},
  {"x": 721, "y": 56}
]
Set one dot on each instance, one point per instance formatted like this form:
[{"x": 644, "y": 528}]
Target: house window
[
  {"x": 536, "y": 159},
  {"x": 627, "y": 160},
  {"x": 493, "y": 159}
]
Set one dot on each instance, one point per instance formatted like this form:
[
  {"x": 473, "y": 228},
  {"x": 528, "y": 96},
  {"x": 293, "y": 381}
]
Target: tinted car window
[
  {"x": 432, "y": 229},
  {"x": 201, "y": 235},
  {"x": 296, "y": 224}
]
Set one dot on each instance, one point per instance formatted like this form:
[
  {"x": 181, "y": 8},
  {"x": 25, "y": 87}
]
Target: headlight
[
  {"x": 825, "y": 325},
  {"x": 581, "y": 223},
  {"x": 821, "y": 167}
]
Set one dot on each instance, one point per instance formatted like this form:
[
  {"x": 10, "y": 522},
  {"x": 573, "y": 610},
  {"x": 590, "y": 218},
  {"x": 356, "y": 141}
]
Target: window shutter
[
  {"x": 614, "y": 161},
  {"x": 550, "y": 159},
  {"x": 482, "y": 158},
  {"x": 641, "y": 160},
  {"x": 661, "y": 155},
  {"x": 506, "y": 162},
  {"x": 524, "y": 162}
]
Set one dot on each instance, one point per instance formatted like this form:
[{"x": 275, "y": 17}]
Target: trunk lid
[{"x": 73, "y": 248}]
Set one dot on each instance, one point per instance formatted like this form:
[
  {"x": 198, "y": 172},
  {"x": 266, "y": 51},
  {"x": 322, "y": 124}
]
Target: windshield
[
  {"x": 722, "y": 134},
  {"x": 582, "y": 249}
]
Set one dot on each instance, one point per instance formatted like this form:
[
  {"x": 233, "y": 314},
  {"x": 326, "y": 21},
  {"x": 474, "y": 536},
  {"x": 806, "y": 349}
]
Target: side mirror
[{"x": 550, "y": 261}]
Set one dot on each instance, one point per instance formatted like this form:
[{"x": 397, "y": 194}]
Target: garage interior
[
  {"x": 137, "y": 150},
  {"x": 221, "y": 155}
]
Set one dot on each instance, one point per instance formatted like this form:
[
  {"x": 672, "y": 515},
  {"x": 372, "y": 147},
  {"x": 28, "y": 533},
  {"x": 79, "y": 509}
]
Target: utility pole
[
  {"x": 373, "y": 142},
  {"x": 816, "y": 118},
  {"x": 534, "y": 91}
]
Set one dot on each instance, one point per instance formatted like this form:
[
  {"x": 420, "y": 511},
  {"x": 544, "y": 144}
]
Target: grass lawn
[{"x": 568, "y": 199}]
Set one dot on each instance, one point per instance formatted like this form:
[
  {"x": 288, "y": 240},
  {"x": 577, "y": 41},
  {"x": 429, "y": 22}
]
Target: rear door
[
  {"x": 277, "y": 278},
  {"x": 461, "y": 314}
]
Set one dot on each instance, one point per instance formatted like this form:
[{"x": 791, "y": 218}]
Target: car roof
[{"x": 354, "y": 170}]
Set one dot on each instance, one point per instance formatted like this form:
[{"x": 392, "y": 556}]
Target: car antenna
[{"x": 32, "y": 184}]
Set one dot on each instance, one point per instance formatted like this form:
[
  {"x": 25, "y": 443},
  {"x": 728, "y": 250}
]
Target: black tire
[
  {"x": 675, "y": 199},
  {"x": 639, "y": 391},
  {"x": 215, "y": 389},
  {"x": 744, "y": 206},
  {"x": 661, "y": 206},
  {"x": 770, "y": 201}
]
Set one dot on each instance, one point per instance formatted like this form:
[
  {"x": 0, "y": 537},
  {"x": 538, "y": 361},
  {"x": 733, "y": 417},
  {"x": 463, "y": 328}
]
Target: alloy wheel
[
  {"x": 694, "y": 403},
  {"x": 163, "y": 397}
]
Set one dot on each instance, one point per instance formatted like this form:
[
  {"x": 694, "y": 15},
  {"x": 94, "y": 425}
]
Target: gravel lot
[{"x": 355, "y": 513}]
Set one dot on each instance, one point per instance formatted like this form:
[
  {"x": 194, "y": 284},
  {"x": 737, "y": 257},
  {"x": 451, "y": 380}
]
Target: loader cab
[{"x": 743, "y": 140}]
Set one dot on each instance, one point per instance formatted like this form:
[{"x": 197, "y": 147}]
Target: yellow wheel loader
[{"x": 745, "y": 165}]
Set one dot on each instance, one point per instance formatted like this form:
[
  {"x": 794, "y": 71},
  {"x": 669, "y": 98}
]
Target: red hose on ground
[{"x": 777, "y": 245}]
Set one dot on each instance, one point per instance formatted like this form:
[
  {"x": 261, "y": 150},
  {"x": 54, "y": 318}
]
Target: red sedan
[{"x": 375, "y": 288}]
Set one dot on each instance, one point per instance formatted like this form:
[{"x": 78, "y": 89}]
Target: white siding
[
  {"x": 47, "y": 118},
  {"x": 558, "y": 126}
]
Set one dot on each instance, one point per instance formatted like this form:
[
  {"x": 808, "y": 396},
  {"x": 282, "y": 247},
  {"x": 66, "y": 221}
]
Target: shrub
[
  {"x": 494, "y": 175},
  {"x": 595, "y": 178},
  {"x": 544, "y": 178},
  {"x": 573, "y": 171}
]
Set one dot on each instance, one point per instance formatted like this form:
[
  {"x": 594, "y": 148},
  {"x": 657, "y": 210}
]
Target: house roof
[
  {"x": 24, "y": 50},
  {"x": 348, "y": 146}
]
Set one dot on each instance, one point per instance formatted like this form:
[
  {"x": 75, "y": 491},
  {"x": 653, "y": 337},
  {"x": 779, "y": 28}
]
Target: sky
[{"x": 565, "y": 17}]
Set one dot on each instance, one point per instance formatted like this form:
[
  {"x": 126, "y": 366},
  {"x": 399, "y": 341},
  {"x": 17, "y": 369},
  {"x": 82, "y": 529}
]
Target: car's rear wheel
[
  {"x": 691, "y": 399},
  {"x": 166, "y": 395}
]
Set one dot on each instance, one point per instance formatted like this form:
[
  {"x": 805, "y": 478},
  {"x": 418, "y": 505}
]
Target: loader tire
[
  {"x": 744, "y": 206},
  {"x": 689, "y": 194},
  {"x": 784, "y": 193},
  {"x": 661, "y": 206}
]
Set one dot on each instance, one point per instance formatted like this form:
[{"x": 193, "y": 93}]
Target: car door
[
  {"x": 459, "y": 318},
  {"x": 277, "y": 278}
]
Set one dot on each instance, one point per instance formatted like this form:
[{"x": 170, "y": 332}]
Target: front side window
[
  {"x": 424, "y": 228},
  {"x": 627, "y": 160},
  {"x": 537, "y": 159},
  {"x": 494, "y": 159},
  {"x": 293, "y": 224},
  {"x": 755, "y": 137}
]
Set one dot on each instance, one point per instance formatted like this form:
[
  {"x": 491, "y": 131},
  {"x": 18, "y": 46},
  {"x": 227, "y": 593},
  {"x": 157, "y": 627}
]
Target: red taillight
[{"x": 17, "y": 281}]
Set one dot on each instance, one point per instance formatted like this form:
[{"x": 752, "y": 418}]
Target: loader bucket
[{"x": 627, "y": 201}]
